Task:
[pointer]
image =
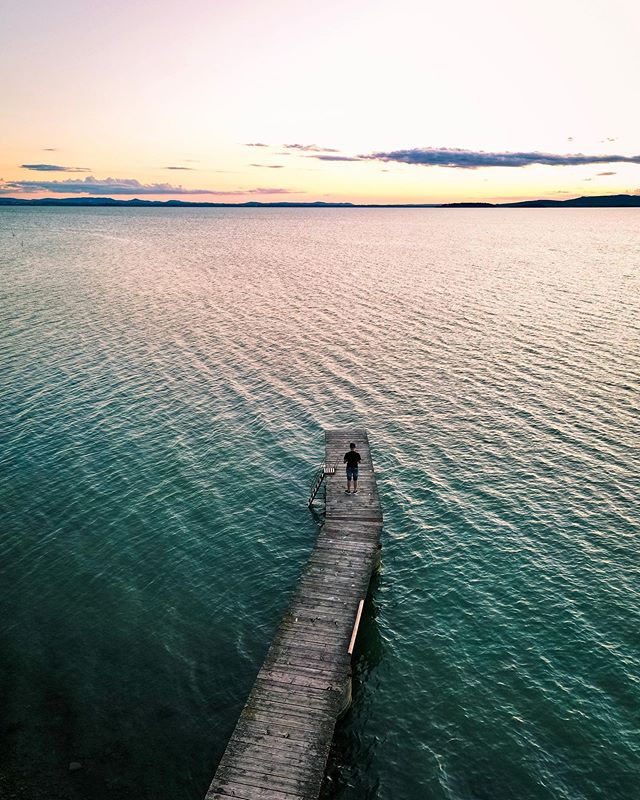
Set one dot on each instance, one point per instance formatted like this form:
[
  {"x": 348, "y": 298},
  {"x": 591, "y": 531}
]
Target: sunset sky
[{"x": 410, "y": 101}]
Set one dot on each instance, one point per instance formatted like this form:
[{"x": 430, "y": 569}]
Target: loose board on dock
[{"x": 280, "y": 745}]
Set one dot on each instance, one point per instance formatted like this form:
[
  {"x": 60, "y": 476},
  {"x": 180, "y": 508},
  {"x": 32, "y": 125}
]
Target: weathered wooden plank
[
  {"x": 283, "y": 649},
  {"x": 340, "y": 564},
  {"x": 362, "y": 514},
  {"x": 308, "y": 615},
  {"x": 322, "y": 629},
  {"x": 310, "y": 637},
  {"x": 284, "y": 722},
  {"x": 274, "y": 730},
  {"x": 322, "y": 632},
  {"x": 284, "y": 747},
  {"x": 281, "y": 741},
  {"x": 321, "y": 697},
  {"x": 278, "y": 733},
  {"x": 321, "y": 670},
  {"x": 283, "y": 676},
  {"x": 351, "y": 550},
  {"x": 287, "y": 721},
  {"x": 334, "y": 603},
  {"x": 338, "y": 570},
  {"x": 334, "y": 606},
  {"x": 322, "y": 579},
  {"x": 356, "y": 545},
  {"x": 262, "y": 758},
  {"x": 350, "y": 538},
  {"x": 344, "y": 585},
  {"x": 272, "y": 705},
  {"x": 304, "y": 604},
  {"x": 341, "y": 572},
  {"x": 322, "y": 673},
  {"x": 320, "y": 586},
  {"x": 293, "y": 652},
  {"x": 275, "y": 774},
  {"x": 296, "y": 697},
  {"x": 262, "y": 755},
  {"x": 298, "y": 623},
  {"x": 345, "y": 531},
  {"x": 328, "y": 596},
  {"x": 239, "y": 791}
]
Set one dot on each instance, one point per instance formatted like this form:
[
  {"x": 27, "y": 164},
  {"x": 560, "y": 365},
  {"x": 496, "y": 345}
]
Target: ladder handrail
[
  {"x": 318, "y": 482},
  {"x": 316, "y": 487}
]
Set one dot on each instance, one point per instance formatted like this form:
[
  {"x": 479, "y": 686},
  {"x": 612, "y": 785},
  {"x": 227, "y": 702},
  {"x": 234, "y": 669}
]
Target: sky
[{"x": 414, "y": 101}]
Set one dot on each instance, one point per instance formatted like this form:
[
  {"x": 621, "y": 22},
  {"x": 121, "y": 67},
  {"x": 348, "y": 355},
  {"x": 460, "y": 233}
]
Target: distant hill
[
  {"x": 110, "y": 201},
  {"x": 603, "y": 201},
  {"x": 600, "y": 201}
]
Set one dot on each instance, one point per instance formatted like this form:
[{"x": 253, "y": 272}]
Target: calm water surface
[{"x": 166, "y": 376}]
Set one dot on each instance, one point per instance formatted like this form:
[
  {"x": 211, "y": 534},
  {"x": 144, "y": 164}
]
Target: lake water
[{"x": 166, "y": 377}]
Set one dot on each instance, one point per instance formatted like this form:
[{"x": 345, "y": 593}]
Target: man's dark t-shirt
[{"x": 352, "y": 458}]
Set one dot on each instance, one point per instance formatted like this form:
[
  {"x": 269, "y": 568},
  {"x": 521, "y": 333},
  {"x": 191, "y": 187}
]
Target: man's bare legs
[{"x": 355, "y": 486}]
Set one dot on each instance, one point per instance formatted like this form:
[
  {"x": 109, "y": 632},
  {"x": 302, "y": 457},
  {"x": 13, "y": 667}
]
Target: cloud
[
  {"x": 310, "y": 148},
  {"x": 256, "y": 144},
  {"x": 472, "y": 159},
  {"x": 53, "y": 168},
  {"x": 187, "y": 168},
  {"x": 601, "y": 174},
  {"x": 337, "y": 158},
  {"x": 111, "y": 186},
  {"x": 50, "y": 149},
  {"x": 263, "y": 190},
  {"x": 268, "y": 166}
]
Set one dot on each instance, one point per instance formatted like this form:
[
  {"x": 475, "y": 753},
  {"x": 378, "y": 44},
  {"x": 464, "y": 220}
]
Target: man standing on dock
[{"x": 352, "y": 459}]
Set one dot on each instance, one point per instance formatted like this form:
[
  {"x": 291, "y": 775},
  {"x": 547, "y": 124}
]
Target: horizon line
[{"x": 594, "y": 200}]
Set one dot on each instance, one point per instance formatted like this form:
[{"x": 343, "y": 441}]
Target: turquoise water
[{"x": 166, "y": 377}]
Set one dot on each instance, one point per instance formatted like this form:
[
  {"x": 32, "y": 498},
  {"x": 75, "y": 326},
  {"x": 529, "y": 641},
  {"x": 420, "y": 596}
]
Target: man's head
[{"x": 352, "y": 446}]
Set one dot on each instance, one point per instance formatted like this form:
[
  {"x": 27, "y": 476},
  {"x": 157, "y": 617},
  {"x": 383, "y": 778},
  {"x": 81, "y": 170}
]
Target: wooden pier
[{"x": 280, "y": 745}]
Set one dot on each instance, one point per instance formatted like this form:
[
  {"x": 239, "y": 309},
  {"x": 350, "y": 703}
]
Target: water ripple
[{"x": 166, "y": 378}]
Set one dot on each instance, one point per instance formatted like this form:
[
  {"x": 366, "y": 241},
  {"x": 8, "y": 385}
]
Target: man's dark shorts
[{"x": 352, "y": 473}]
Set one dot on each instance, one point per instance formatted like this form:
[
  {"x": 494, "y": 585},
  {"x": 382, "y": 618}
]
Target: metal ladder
[{"x": 324, "y": 471}]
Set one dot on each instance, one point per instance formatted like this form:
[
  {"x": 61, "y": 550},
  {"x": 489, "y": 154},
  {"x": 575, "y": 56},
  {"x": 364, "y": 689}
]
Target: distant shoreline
[{"x": 601, "y": 201}]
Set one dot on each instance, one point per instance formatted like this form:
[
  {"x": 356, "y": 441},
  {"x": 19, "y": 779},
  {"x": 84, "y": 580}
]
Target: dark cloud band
[
  {"x": 54, "y": 168},
  {"x": 116, "y": 186},
  {"x": 471, "y": 159},
  {"x": 338, "y": 158},
  {"x": 310, "y": 148}
]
